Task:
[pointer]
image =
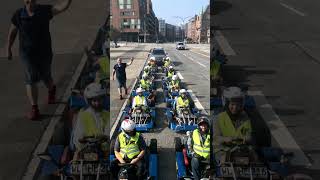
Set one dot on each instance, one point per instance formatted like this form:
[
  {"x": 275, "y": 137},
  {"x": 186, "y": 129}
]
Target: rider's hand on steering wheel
[{"x": 134, "y": 161}]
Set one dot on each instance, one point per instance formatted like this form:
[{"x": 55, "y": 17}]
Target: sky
[{"x": 166, "y": 9}]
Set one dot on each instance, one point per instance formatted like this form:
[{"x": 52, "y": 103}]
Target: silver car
[{"x": 180, "y": 45}]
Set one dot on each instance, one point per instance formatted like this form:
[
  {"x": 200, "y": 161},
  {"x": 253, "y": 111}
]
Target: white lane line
[
  {"x": 194, "y": 60},
  {"x": 179, "y": 75},
  {"x": 197, "y": 102},
  {"x": 278, "y": 130},
  {"x": 201, "y": 53},
  {"x": 224, "y": 44},
  {"x": 292, "y": 9}
]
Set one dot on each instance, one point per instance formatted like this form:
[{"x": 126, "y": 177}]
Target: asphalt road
[
  {"x": 194, "y": 69},
  {"x": 276, "y": 45},
  {"x": 70, "y": 31}
]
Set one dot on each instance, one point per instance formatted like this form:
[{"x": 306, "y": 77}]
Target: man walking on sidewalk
[
  {"x": 120, "y": 70},
  {"x": 32, "y": 22}
]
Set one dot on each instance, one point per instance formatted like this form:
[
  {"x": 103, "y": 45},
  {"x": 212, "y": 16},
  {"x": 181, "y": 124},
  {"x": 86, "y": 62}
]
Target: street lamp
[{"x": 183, "y": 19}]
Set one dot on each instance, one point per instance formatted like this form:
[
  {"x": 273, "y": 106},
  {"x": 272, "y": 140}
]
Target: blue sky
[{"x": 166, "y": 9}]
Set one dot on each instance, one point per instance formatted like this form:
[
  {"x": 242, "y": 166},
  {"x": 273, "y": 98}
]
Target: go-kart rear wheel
[
  {"x": 153, "y": 146},
  {"x": 178, "y": 144}
]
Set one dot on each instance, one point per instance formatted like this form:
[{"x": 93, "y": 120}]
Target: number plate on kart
[
  {"x": 88, "y": 168},
  {"x": 244, "y": 172}
]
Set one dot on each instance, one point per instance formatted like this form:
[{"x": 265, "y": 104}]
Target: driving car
[
  {"x": 180, "y": 45},
  {"x": 159, "y": 53}
]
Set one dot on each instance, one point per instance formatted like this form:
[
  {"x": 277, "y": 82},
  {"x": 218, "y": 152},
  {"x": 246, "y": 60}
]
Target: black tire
[
  {"x": 177, "y": 144},
  {"x": 153, "y": 146}
]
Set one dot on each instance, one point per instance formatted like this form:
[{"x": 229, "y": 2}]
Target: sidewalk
[
  {"x": 200, "y": 48},
  {"x": 19, "y": 136},
  {"x": 140, "y": 54}
]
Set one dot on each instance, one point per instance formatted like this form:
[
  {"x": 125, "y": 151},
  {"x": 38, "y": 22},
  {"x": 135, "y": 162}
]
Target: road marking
[
  {"x": 179, "y": 75},
  {"x": 224, "y": 44},
  {"x": 292, "y": 9},
  {"x": 278, "y": 129},
  {"x": 34, "y": 163},
  {"x": 197, "y": 102},
  {"x": 194, "y": 60},
  {"x": 200, "y": 53}
]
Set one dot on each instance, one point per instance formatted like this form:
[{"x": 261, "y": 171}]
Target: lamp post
[{"x": 183, "y": 19}]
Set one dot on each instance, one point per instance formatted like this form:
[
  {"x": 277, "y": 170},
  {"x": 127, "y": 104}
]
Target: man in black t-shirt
[
  {"x": 120, "y": 70},
  {"x": 35, "y": 49}
]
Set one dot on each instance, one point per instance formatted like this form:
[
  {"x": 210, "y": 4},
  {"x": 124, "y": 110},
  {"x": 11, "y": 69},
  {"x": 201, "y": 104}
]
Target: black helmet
[{"x": 202, "y": 120}]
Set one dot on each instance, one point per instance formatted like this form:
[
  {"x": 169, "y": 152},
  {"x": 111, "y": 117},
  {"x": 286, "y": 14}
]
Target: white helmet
[
  {"x": 233, "y": 93},
  {"x": 182, "y": 91},
  {"x": 167, "y": 58},
  {"x": 170, "y": 67},
  {"x": 128, "y": 125},
  {"x": 146, "y": 68},
  {"x": 144, "y": 76},
  {"x": 139, "y": 90},
  {"x": 153, "y": 58},
  {"x": 94, "y": 90},
  {"x": 175, "y": 77}
]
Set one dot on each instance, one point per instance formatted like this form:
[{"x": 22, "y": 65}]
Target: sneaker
[
  {"x": 126, "y": 91},
  {"x": 52, "y": 95},
  {"x": 34, "y": 114},
  {"x": 121, "y": 97}
]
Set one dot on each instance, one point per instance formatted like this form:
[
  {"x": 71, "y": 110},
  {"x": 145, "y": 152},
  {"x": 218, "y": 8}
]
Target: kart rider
[
  {"x": 139, "y": 100},
  {"x": 145, "y": 83},
  {"x": 170, "y": 72},
  {"x": 152, "y": 62},
  {"x": 94, "y": 120},
  {"x": 232, "y": 125},
  {"x": 182, "y": 101},
  {"x": 199, "y": 146},
  {"x": 146, "y": 70},
  {"x": 174, "y": 83},
  {"x": 130, "y": 148},
  {"x": 167, "y": 62}
]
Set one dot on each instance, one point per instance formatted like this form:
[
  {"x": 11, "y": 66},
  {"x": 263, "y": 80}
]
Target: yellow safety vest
[
  {"x": 175, "y": 83},
  {"x": 200, "y": 148},
  {"x": 104, "y": 65},
  {"x": 88, "y": 121},
  {"x": 166, "y": 64},
  {"x": 130, "y": 149},
  {"x": 139, "y": 100},
  {"x": 170, "y": 74},
  {"x": 145, "y": 84},
  {"x": 228, "y": 130},
  {"x": 215, "y": 68},
  {"x": 182, "y": 103}
]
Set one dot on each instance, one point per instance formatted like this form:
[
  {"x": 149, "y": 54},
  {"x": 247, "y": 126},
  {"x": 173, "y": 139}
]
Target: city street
[
  {"x": 193, "y": 69},
  {"x": 70, "y": 32},
  {"x": 273, "y": 46}
]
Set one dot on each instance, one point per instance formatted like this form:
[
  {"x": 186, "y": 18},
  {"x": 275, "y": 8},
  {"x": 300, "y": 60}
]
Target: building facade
[{"x": 134, "y": 19}]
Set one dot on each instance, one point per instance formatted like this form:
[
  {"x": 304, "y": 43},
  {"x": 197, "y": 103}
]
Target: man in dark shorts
[
  {"x": 32, "y": 22},
  {"x": 120, "y": 70}
]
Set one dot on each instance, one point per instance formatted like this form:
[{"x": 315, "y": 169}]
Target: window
[
  {"x": 121, "y": 4},
  {"x": 129, "y": 3}
]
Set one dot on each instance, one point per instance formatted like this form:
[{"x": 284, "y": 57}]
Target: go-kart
[
  {"x": 183, "y": 119},
  {"x": 183, "y": 161},
  {"x": 89, "y": 163},
  {"x": 128, "y": 171},
  {"x": 243, "y": 161}
]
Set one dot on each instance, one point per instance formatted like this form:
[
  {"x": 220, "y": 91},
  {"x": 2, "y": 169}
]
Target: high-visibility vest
[
  {"x": 170, "y": 74},
  {"x": 139, "y": 100},
  {"x": 228, "y": 130},
  {"x": 89, "y": 123},
  {"x": 182, "y": 103},
  {"x": 166, "y": 64},
  {"x": 129, "y": 149},
  {"x": 175, "y": 83},
  {"x": 145, "y": 84},
  {"x": 199, "y": 147},
  {"x": 215, "y": 68}
]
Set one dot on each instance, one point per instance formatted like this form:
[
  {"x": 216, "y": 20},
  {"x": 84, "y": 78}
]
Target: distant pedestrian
[
  {"x": 32, "y": 23},
  {"x": 120, "y": 70}
]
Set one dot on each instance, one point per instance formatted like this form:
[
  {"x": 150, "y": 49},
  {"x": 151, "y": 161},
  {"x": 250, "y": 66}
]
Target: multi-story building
[
  {"x": 205, "y": 26},
  {"x": 170, "y": 32},
  {"x": 162, "y": 29},
  {"x": 135, "y": 19},
  {"x": 179, "y": 34}
]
